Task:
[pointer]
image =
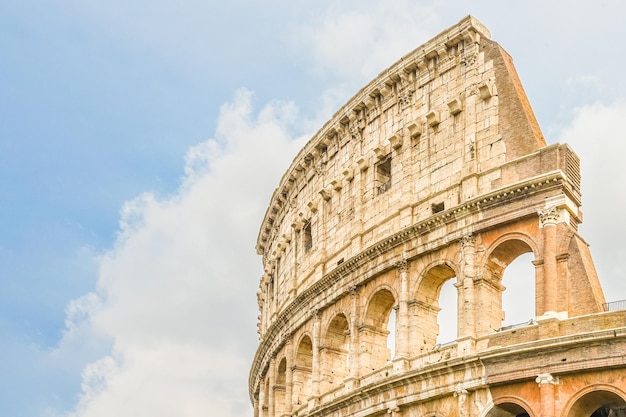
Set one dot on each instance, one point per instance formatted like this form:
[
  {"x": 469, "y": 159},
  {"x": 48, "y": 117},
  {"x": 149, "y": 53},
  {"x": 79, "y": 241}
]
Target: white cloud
[
  {"x": 357, "y": 43},
  {"x": 177, "y": 292},
  {"x": 596, "y": 136}
]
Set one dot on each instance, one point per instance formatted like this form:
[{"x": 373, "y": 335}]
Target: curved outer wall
[{"x": 436, "y": 170}]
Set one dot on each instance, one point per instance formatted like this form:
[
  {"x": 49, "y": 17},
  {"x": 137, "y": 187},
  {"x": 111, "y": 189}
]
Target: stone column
[
  {"x": 466, "y": 297},
  {"x": 548, "y": 219},
  {"x": 461, "y": 395},
  {"x": 315, "y": 383},
  {"x": 353, "y": 353},
  {"x": 266, "y": 306},
  {"x": 272, "y": 381},
  {"x": 274, "y": 278},
  {"x": 262, "y": 412},
  {"x": 540, "y": 306},
  {"x": 297, "y": 227},
  {"x": 547, "y": 387},
  {"x": 402, "y": 331},
  {"x": 289, "y": 375}
]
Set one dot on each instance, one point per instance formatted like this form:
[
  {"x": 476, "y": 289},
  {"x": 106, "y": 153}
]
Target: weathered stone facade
[{"x": 436, "y": 170}]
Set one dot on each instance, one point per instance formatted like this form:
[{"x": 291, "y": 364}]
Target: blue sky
[{"x": 140, "y": 142}]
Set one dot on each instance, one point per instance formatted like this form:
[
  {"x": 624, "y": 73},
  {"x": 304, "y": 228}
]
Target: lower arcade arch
[
  {"x": 303, "y": 371},
  {"x": 509, "y": 264},
  {"x": 334, "y": 353},
  {"x": 433, "y": 311},
  {"x": 518, "y": 296},
  {"x": 280, "y": 387},
  {"x": 598, "y": 403},
  {"x": 448, "y": 316},
  {"x": 374, "y": 333}
]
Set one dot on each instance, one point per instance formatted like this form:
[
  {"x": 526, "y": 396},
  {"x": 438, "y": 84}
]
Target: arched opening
[
  {"x": 448, "y": 316},
  {"x": 518, "y": 297},
  {"x": 374, "y": 334},
  {"x": 508, "y": 409},
  {"x": 598, "y": 403},
  {"x": 279, "y": 388},
  {"x": 515, "y": 305},
  {"x": 302, "y": 371},
  {"x": 437, "y": 307},
  {"x": 334, "y": 353}
]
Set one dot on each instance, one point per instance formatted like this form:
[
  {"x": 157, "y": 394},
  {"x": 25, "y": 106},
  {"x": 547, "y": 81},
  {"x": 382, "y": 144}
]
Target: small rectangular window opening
[
  {"x": 307, "y": 237},
  {"x": 383, "y": 175},
  {"x": 436, "y": 208}
]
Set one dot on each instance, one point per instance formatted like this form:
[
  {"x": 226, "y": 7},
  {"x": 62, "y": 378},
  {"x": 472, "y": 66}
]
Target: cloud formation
[
  {"x": 595, "y": 135},
  {"x": 176, "y": 294},
  {"x": 352, "y": 42}
]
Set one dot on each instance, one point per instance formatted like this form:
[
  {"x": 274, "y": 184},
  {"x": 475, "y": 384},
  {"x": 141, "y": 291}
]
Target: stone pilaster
[
  {"x": 267, "y": 304},
  {"x": 289, "y": 375},
  {"x": 353, "y": 353},
  {"x": 262, "y": 411},
  {"x": 547, "y": 390},
  {"x": 272, "y": 381},
  {"x": 461, "y": 395},
  {"x": 548, "y": 219},
  {"x": 315, "y": 388},
  {"x": 402, "y": 331},
  {"x": 466, "y": 296}
]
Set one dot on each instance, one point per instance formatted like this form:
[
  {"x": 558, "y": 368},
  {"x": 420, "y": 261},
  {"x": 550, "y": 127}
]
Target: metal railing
[
  {"x": 615, "y": 305},
  {"x": 517, "y": 325}
]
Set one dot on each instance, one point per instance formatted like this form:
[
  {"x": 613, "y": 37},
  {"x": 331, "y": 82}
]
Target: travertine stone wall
[{"x": 435, "y": 171}]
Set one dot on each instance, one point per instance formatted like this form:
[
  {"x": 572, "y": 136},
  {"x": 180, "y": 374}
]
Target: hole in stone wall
[
  {"x": 307, "y": 237},
  {"x": 383, "y": 175},
  {"x": 436, "y": 208}
]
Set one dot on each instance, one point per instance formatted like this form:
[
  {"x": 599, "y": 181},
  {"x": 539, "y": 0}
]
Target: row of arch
[
  {"x": 368, "y": 329},
  {"x": 592, "y": 401}
]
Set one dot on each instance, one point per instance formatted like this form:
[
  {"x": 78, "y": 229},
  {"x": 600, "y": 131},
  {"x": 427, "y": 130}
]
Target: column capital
[
  {"x": 546, "y": 378},
  {"x": 460, "y": 391},
  {"x": 353, "y": 291},
  {"x": 403, "y": 265},
  {"x": 393, "y": 411},
  {"x": 468, "y": 240},
  {"x": 549, "y": 216}
]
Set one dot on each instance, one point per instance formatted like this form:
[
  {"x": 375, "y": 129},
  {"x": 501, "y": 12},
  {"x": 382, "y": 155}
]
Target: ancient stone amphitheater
[{"x": 436, "y": 170}]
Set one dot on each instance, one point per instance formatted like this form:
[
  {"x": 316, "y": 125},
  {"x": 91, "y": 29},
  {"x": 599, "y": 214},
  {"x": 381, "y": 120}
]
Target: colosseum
[{"x": 434, "y": 172}]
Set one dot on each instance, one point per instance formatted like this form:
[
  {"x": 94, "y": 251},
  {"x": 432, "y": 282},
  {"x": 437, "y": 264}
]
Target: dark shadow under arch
[
  {"x": 302, "y": 371},
  {"x": 334, "y": 351},
  {"x": 374, "y": 333},
  {"x": 429, "y": 306},
  {"x": 598, "y": 403},
  {"x": 508, "y": 409}
]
